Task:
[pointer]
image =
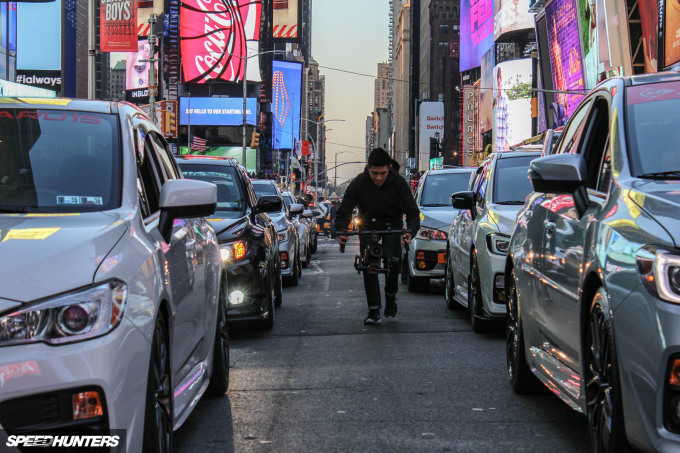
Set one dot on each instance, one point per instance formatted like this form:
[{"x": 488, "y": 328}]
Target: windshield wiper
[
  {"x": 432, "y": 205},
  {"x": 674, "y": 174},
  {"x": 515, "y": 202}
]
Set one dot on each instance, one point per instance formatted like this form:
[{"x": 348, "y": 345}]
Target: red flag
[{"x": 305, "y": 148}]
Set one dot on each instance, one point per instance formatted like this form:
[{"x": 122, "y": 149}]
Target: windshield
[
  {"x": 58, "y": 161},
  {"x": 230, "y": 198},
  {"x": 652, "y": 118},
  {"x": 512, "y": 183},
  {"x": 438, "y": 188}
]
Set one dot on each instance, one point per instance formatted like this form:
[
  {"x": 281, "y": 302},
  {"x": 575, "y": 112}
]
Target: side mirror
[
  {"x": 463, "y": 200},
  {"x": 296, "y": 208},
  {"x": 307, "y": 214},
  {"x": 185, "y": 198},
  {"x": 269, "y": 203},
  {"x": 561, "y": 174}
]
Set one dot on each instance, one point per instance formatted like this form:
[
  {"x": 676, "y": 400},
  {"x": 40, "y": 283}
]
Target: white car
[
  {"x": 112, "y": 293},
  {"x": 480, "y": 234}
]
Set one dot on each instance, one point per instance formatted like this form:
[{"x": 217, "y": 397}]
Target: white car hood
[
  {"x": 44, "y": 255},
  {"x": 504, "y": 217},
  {"x": 437, "y": 218}
]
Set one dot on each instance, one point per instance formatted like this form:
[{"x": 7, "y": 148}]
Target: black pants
[{"x": 391, "y": 253}]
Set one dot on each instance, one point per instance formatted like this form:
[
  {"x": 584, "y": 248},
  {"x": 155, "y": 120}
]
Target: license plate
[{"x": 441, "y": 258}]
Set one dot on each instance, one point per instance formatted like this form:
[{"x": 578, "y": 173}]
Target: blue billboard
[
  {"x": 216, "y": 111},
  {"x": 476, "y": 31},
  {"x": 286, "y": 97}
]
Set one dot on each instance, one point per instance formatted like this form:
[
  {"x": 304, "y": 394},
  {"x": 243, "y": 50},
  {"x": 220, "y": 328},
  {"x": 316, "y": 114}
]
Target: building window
[{"x": 443, "y": 29}]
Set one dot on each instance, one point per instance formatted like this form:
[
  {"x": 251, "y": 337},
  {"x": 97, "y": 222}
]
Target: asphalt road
[{"x": 321, "y": 381}]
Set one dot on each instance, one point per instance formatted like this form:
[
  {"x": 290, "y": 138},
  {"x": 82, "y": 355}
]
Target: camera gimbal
[{"x": 370, "y": 259}]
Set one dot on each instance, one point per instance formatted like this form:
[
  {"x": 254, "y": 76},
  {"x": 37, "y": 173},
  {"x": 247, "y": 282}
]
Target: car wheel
[
  {"x": 268, "y": 322},
  {"x": 601, "y": 375},
  {"x": 450, "y": 289},
  {"x": 158, "y": 414},
  {"x": 479, "y": 325},
  {"x": 278, "y": 290},
  {"x": 522, "y": 380},
  {"x": 308, "y": 258},
  {"x": 315, "y": 243},
  {"x": 219, "y": 380}
]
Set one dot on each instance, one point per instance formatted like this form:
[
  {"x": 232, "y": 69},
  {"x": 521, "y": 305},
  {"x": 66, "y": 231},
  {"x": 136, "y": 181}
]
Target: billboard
[
  {"x": 486, "y": 91},
  {"x": 235, "y": 152},
  {"x": 216, "y": 111},
  {"x": 216, "y": 37},
  {"x": 49, "y": 40},
  {"x": 672, "y": 33},
  {"x": 649, "y": 16},
  {"x": 470, "y": 130},
  {"x": 136, "y": 70},
  {"x": 48, "y": 80},
  {"x": 476, "y": 32},
  {"x": 565, "y": 55},
  {"x": 430, "y": 122},
  {"x": 511, "y": 103},
  {"x": 8, "y": 15},
  {"x": 286, "y": 97},
  {"x": 287, "y": 17},
  {"x": 511, "y": 15},
  {"x": 588, "y": 24},
  {"x": 118, "y": 26}
]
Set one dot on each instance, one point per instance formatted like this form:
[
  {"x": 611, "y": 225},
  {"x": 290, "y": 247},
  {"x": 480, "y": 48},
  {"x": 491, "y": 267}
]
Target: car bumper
[
  {"x": 647, "y": 334},
  {"x": 116, "y": 365},
  {"x": 434, "y": 251},
  {"x": 245, "y": 278}
]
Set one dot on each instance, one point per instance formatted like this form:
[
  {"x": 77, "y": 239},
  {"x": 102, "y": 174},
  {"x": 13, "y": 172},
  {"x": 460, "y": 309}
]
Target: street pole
[
  {"x": 152, "y": 69},
  {"x": 316, "y": 165},
  {"x": 245, "y": 93},
  {"x": 91, "y": 49}
]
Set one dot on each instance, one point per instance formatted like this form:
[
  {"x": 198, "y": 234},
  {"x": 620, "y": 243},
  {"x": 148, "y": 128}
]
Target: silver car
[
  {"x": 305, "y": 234},
  {"x": 480, "y": 233},
  {"x": 593, "y": 267},
  {"x": 112, "y": 296},
  {"x": 426, "y": 256}
]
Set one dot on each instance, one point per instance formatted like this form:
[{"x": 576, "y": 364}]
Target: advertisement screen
[
  {"x": 511, "y": 15},
  {"x": 216, "y": 37},
  {"x": 137, "y": 71},
  {"x": 286, "y": 19},
  {"x": 235, "y": 152},
  {"x": 470, "y": 130},
  {"x": 286, "y": 97},
  {"x": 511, "y": 103},
  {"x": 565, "y": 56},
  {"x": 486, "y": 91},
  {"x": 672, "y": 33},
  {"x": 649, "y": 16},
  {"x": 48, "y": 80},
  {"x": 431, "y": 122},
  {"x": 216, "y": 111},
  {"x": 49, "y": 40},
  {"x": 588, "y": 20},
  {"x": 476, "y": 31},
  {"x": 118, "y": 26}
]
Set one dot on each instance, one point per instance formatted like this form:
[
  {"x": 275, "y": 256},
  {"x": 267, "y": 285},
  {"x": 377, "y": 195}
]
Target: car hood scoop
[{"x": 43, "y": 255}]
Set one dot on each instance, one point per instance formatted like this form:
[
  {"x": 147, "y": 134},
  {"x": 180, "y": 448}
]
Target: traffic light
[
  {"x": 170, "y": 123},
  {"x": 255, "y": 139}
]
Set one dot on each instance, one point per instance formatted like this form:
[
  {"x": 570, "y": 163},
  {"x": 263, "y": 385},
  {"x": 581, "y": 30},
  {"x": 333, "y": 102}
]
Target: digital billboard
[
  {"x": 8, "y": 15},
  {"x": 588, "y": 22},
  {"x": 511, "y": 15},
  {"x": 671, "y": 33},
  {"x": 216, "y": 111},
  {"x": 431, "y": 122},
  {"x": 649, "y": 16},
  {"x": 476, "y": 31},
  {"x": 136, "y": 70},
  {"x": 287, "y": 17},
  {"x": 118, "y": 26},
  {"x": 565, "y": 55},
  {"x": 235, "y": 152},
  {"x": 486, "y": 90},
  {"x": 216, "y": 37},
  {"x": 511, "y": 103},
  {"x": 286, "y": 99}
]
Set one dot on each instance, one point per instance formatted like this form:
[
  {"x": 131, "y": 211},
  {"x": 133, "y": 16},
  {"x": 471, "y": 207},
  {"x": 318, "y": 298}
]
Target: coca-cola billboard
[
  {"x": 287, "y": 17},
  {"x": 215, "y": 38}
]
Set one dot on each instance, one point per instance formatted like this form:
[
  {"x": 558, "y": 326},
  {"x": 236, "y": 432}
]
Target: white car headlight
[
  {"x": 427, "y": 234},
  {"x": 233, "y": 251},
  {"x": 71, "y": 317},
  {"x": 498, "y": 243},
  {"x": 283, "y": 236},
  {"x": 660, "y": 272}
]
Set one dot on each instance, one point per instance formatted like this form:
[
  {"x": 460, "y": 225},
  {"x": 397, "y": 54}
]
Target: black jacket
[{"x": 386, "y": 203}]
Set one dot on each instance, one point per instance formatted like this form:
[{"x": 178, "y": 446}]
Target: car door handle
[{"x": 549, "y": 227}]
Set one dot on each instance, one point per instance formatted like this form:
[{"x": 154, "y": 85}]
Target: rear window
[
  {"x": 437, "y": 189},
  {"x": 653, "y": 126},
  {"x": 264, "y": 189},
  {"x": 230, "y": 197},
  {"x": 59, "y": 161},
  {"x": 512, "y": 184}
]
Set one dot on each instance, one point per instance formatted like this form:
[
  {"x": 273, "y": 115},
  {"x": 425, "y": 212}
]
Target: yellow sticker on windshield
[
  {"x": 45, "y": 101},
  {"x": 30, "y": 233}
]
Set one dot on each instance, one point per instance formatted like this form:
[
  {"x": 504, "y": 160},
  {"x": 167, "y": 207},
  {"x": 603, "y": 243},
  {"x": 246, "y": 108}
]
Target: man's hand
[
  {"x": 342, "y": 240},
  {"x": 406, "y": 238}
]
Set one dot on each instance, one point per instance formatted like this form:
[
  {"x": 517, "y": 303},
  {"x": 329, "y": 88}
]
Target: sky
[{"x": 351, "y": 35}]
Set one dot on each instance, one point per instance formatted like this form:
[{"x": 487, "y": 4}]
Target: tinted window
[
  {"x": 230, "y": 196},
  {"x": 264, "y": 189},
  {"x": 437, "y": 189},
  {"x": 653, "y": 124},
  {"x": 59, "y": 161},
  {"x": 512, "y": 184}
]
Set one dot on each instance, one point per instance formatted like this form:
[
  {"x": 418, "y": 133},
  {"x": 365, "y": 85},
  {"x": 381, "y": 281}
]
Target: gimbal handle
[{"x": 401, "y": 231}]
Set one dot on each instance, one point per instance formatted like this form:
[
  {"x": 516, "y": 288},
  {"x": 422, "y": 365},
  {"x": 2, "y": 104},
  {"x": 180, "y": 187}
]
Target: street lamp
[
  {"x": 316, "y": 154},
  {"x": 335, "y": 176}
]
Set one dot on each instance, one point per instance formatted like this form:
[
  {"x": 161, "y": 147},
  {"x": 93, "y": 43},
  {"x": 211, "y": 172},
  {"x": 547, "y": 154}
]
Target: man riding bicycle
[{"x": 383, "y": 197}]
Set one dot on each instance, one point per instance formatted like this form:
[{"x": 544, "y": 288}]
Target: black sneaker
[
  {"x": 373, "y": 317},
  {"x": 390, "y": 307}
]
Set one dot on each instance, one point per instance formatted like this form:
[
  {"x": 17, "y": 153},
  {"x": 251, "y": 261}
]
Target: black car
[{"x": 248, "y": 240}]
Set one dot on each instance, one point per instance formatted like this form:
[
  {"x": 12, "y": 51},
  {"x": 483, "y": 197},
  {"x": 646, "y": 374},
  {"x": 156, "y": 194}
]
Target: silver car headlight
[
  {"x": 660, "y": 272},
  {"x": 428, "y": 234},
  {"x": 76, "y": 316},
  {"x": 497, "y": 243},
  {"x": 283, "y": 235}
]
